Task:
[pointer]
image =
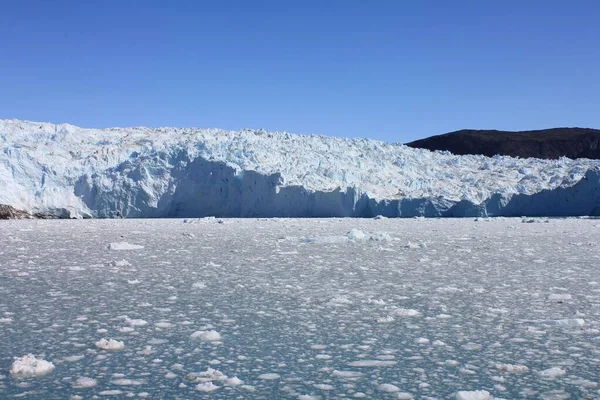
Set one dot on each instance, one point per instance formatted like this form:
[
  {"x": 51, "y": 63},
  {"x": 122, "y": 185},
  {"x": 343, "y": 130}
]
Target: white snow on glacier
[{"x": 63, "y": 170}]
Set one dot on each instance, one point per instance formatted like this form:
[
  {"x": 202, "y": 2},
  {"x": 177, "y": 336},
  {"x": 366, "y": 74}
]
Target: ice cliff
[{"x": 66, "y": 171}]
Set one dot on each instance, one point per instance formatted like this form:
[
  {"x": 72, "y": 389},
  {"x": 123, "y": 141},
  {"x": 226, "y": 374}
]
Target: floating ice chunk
[
  {"x": 164, "y": 325},
  {"x": 422, "y": 341},
  {"x": 340, "y": 301},
  {"x": 28, "y": 366},
  {"x": 307, "y": 397},
  {"x": 210, "y": 374},
  {"x": 135, "y": 322},
  {"x": 347, "y": 374},
  {"x": 324, "y": 386},
  {"x": 127, "y": 382},
  {"x": 110, "y": 344},
  {"x": 405, "y": 312},
  {"x": 5, "y": 320},
  {"x": 372, "y": 363},
  {"x": 111, "y": 392},
  {"x": 388, "y": 388},
  {"x": 199, "y": 285},
  {"x": 473, "y": 395},
  {"x": 269, "y": 376},
  {"x": 326, "y": 240},
  {"x": 123, "y": 246},
  {"x": 517, "y": 369},
  {"x": 411, "y": 245},
  {"x": 565, "y": 322},
  {"x": 559, "y": 297},
  {"x": 120, "y": 263},
  {"x": 84, "y": 383},
  {"x": 357, "y": 235},
  {"x": 74, "y": 358},
  {"x": 206, "y": 336},
  {"x": 385, "y": 320},
  {"x": 404, "y": 396},
  {"x": 235, "y": 381},
  {"x": 553, "y": 372}
]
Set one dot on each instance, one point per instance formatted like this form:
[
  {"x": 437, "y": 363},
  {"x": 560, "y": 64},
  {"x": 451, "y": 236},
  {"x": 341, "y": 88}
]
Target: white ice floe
[
  {"x": 135, "y": 322},
  {"x": 559, "y": 297},
  {"x": 388, "y": 388},
  {"x": 112, "y": 392},
  {"x": 324, "y": 386},
  {"x": 209, "y": 375},
  {"x": 28, "y": 366},
  {"x": 120, "y": 263},
  {"x": 372, "y": 363},
  {"x": 512, "y": 368},
  {"x": 206, "y": 336},
  {"x": 358, "y": 235},
  {"x": 110, "y": 344},
  {"x": 553, "y": 372},
  {"x": 348, "y": 375},
  {"x": 269, "y": 376},
  {"x": 473, "y": 395},
  {"x": 405, "y": 312},
  {"x": 206, "y": 387},
  {"x": 234, "y": 381},
  {"x": 123, "y": 246},
  {"x": 84, "y": 383},
  {"x": 564, "y": 322},
  {"x": 74, "y": 358},
  {"x": 127, "y": 382}
]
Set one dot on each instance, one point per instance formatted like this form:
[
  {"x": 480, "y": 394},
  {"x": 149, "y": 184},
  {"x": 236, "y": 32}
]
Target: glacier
[{"x": 64, "y": 171}]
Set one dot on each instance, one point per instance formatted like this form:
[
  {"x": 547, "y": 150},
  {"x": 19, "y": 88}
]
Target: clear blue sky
[{"x": 390, "y": 70}]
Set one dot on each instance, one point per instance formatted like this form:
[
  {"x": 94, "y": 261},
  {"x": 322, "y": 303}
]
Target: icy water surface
[{"x": 302, "y": 309}]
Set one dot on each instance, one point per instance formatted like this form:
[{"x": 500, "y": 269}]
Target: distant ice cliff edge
[{"x": 62, "y": 171}]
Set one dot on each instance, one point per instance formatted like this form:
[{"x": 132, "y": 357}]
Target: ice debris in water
[
  {"x": 473, "y": 395},
  {"x": 28, "y": 366},
  {"x": 206, "y": 336},
  {"x": 358, "y": 235},
  {"x": 559, "y": 297},
  {"x": 84, "y": 383},
  {"x": 553, "y": 372},
  {"x": 235, "y": 381},
  {"x": 120, "y": 263},
  {"x": 388, "y": 388},
  {"x": 207, "y": 376},
  {"x": 110, "y": 344},
  {"x": 511, "y": 368},
  {"x": 206, "y": 387},
  {"x": 123, "y": 246}
]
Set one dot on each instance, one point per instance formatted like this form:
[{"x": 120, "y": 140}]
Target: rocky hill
[{"x": 548, "y": 143}]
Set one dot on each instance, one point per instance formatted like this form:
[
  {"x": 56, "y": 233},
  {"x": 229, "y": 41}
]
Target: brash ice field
[{"x": 300, "y": 309}]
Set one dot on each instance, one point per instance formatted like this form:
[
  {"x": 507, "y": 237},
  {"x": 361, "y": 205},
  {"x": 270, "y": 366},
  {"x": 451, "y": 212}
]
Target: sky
[{"x": 388, "y": 70}]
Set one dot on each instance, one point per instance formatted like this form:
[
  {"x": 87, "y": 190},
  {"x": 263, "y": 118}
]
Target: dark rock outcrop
[
  {"x": 548, "y": 143},
  {"x": 9, "y": 212}
]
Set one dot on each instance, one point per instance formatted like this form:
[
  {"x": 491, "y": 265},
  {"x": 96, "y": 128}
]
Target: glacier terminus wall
[{"x": 69, "y": 172}]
